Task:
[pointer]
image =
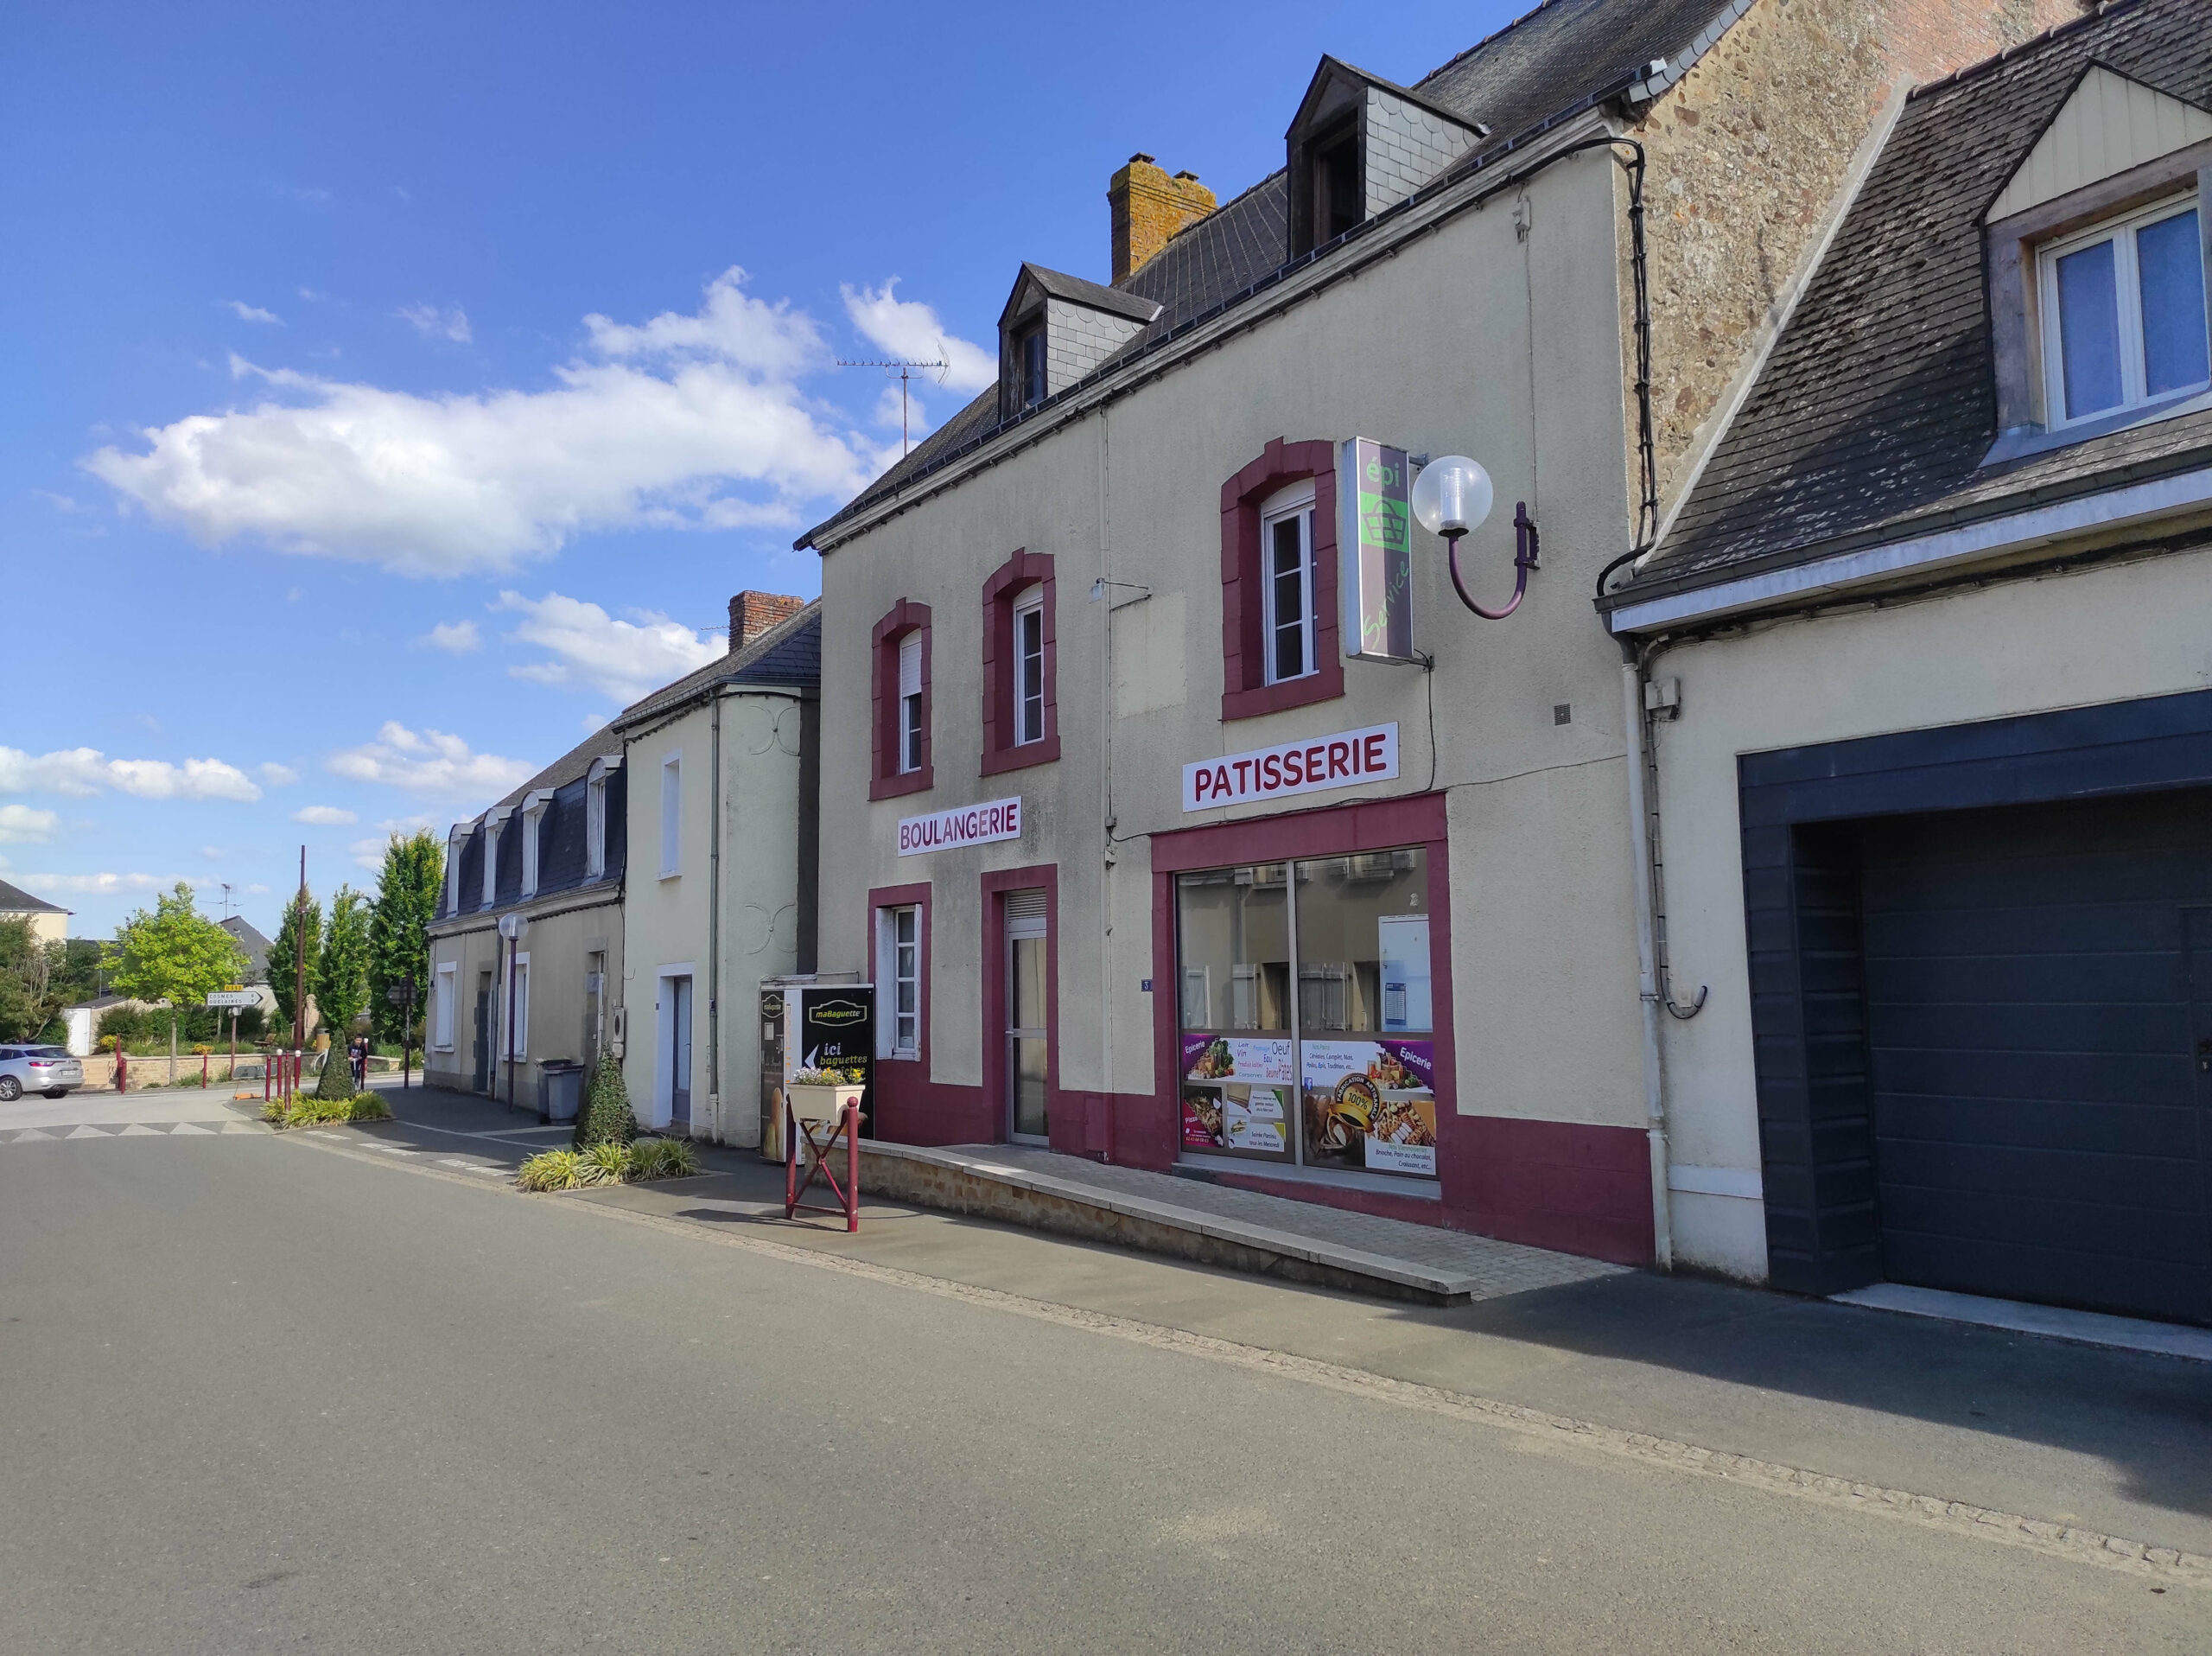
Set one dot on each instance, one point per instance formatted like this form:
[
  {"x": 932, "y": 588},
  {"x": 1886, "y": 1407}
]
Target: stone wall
[{"x": 1748, "y": 159}]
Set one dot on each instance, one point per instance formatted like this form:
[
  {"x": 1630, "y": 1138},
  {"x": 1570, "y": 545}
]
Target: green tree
[
  {"x": 341, "y": 985},
  {"x": 27, "y": 997},
  {"x": 175, "y": 954},
  {"x": 399, "y": 947},
  {"x": 304, "y": 914}
]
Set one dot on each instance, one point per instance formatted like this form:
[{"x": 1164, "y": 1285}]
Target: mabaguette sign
[
  {"x": 1345, "y": 760},
  {"x": 1375, "y": 542}
]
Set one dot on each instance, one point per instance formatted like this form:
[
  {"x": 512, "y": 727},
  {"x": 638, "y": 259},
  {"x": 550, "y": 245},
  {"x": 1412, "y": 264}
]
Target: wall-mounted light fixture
[{"x": 1452, "y": 496}]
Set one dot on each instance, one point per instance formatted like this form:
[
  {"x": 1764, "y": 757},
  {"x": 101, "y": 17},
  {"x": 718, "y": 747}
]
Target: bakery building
[
  {"x": 1926, "y": 651},
  {"x": 1181, "y": 810}
]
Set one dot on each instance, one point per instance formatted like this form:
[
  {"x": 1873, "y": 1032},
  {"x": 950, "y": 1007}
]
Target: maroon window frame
[
  {"x": 888, "y": 781},
  {"x": 1245, "y": 691},
  {"x": 911, "y": 896},
  {"x": 1000, "y": 694}
]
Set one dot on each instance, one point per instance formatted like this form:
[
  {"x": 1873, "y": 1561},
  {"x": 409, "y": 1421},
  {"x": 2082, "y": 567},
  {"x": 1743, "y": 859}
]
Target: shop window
[
  {"x": 1307, "y": 1033},
  {"x": 901, "y": 694},
  {"x": 1020, "y": 717},
  {"x": 1279, "y": 581},
  {"x": 2123, "y": 313}
]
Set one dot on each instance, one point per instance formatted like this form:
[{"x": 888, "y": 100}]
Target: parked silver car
[{"x": 50, "y": 1070}]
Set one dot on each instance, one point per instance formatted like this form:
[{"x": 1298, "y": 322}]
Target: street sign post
[{"x": 237, "y": 1000}]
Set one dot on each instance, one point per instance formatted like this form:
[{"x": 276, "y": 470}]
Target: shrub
[
  {"x": 662, "y": 1158},
  {"x": 551, "y": 1170},
  {"x": 605, "y": 1118},
  {"x": 607, "y": 1163},
  {"x": 337, "y": 1080},
  {"x": 307, "y": 1110}
]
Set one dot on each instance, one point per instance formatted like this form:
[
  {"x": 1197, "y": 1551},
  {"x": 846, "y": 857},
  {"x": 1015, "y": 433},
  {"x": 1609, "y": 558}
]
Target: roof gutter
[{"x": 1991, "y": 536}]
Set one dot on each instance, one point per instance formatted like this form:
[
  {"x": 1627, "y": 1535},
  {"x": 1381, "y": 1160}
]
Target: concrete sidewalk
[{"x": 2110, "y": 1440}]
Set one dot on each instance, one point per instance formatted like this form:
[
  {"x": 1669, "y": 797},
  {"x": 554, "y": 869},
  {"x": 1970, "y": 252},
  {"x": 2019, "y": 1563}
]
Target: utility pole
[{"x": 300, "y": 961}]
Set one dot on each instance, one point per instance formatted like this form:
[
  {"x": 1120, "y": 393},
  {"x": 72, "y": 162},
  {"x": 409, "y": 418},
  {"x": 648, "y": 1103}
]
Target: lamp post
[
  {"x": 1452, "y": 495},
  {"x": 510, "y": 928}
]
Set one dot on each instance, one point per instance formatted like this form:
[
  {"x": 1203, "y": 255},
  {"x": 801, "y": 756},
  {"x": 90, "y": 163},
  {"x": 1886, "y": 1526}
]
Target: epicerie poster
[
  {"x": 1233, "y": 1058},
  {"x": 1370, "y": 1104},
  {"x": 1237, "y": 1115}
]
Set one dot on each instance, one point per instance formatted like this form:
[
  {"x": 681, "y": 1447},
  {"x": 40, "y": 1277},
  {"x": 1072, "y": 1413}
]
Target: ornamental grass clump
[
  {"x": 608, "y": 1163},
  {"x": 307, "y": 1110},
  {"x": 605, "y": 1118},
  {"x": 551, "y": 1170}
]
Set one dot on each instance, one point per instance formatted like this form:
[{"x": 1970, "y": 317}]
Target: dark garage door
[{"x": 2043, "y": 1112}]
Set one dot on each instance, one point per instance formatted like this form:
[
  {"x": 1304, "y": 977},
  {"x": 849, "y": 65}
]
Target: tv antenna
[{"x": 905, "y": 371}]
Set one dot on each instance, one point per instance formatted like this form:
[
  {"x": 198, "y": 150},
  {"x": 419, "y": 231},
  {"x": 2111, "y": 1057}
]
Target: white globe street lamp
[{"x": 1452, "y": 495}]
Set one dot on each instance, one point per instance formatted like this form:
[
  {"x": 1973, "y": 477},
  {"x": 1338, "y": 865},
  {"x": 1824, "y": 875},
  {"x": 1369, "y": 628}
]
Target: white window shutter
[{"x": 909, "y": 665}]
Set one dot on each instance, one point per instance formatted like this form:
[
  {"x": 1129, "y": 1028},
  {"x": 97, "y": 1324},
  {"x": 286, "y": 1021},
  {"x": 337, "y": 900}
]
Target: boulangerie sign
[
  {"x": 969, "y": 825},
  {"x": 1345, "y": 760}
]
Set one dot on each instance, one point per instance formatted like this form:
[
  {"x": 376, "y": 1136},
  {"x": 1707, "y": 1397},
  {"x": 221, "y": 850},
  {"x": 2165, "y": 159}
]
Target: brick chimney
[
  {"x": 1148, "y": 208},
  {"x": 752, "y": 613}
]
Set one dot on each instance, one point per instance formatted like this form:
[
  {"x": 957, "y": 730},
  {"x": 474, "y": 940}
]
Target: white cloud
[
  {"x": 593, "y": 722},
  {"x": 456, "y": 637},
  {"x": 685, "y": 421},
  {"x": 20, "y": 824},
  {"x": 247, "y": 313},
  {"x": 84, "y": 771},
  {"x": 430, "y": 762},
  {"x": 433, "y": 323},
  {"x": 909, "y": 329},
  {"x": 277, "y": 775},
  {"x": 325, "y": 816},
  {"x": 100, "y": 884},
  {"x": 620, "y": 659},
  {"x": 368, "y": 854}
]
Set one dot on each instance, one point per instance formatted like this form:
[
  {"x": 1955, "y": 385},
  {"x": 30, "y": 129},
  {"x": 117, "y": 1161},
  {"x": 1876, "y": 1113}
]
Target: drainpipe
[
  {"x": 1647, "y": 954},
  {"x": 714, "y": 918}
]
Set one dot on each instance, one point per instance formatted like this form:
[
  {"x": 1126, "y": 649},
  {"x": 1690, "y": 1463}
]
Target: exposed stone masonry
[{"x": 1148, "y": 208}]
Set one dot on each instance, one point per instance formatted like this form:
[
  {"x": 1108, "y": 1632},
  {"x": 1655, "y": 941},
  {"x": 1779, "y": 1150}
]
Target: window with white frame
[
  {"x": 533, "y": 818},
  {"x": 2123, "y": 314},
  {"x": 1029, "y": 666},
  {"x": 522, "y": 1006},
  {"x": 442, "y": 1008},
  {"x": 595, "y": 826},
  {"x": 456, "y": 842},
  {"x": 1287, "y": 582},
  {"x": 899, "y": 954},
  {"x": 910, "y": 702},
  {"x": 672, "y": 815},
  {"x": 491, "y": 860}
]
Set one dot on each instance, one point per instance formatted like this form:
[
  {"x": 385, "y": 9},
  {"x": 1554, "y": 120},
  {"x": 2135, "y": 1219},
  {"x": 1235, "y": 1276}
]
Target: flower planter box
[{"x": 812, "y": 1103}]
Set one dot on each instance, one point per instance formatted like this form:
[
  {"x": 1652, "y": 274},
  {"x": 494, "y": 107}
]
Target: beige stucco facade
[
  {"x": 2027, "y": 645},
  {"x": 675, "y": 926},
  {"x": 560, "y": 1013}
]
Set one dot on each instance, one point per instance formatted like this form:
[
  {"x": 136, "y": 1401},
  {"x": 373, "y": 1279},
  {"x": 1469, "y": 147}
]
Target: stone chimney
[
  {"x": 1148, "y": 208},
  {"x": 752, "y": 613}
]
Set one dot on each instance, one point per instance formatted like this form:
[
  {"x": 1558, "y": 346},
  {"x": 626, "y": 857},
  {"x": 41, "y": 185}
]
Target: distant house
[
  {"x": 49, "y": 924},
  {"x": 257, "y": 948}
]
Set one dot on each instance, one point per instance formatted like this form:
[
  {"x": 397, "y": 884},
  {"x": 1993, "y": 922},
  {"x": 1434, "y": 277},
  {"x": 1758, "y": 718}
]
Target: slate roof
[
  {"x": 1060, "y": 286},
  {"x": 1872, "y": 417},
  {"x": 256, "y": 946},
  {"x": 790, "y": 653},
  {"x": 14, "y": 900},
  {"x": 604, "y": 742},
  {"x": 1548, "y": 64}
]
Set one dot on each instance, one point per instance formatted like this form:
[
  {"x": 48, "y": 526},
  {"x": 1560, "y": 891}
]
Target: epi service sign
[
  {"x": 1345, "y": 760},
  {"x": 968, "y": 825}
]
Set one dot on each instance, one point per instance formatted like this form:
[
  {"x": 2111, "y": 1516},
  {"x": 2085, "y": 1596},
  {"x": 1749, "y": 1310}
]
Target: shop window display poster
[
  {"x": 1236, "y": 1094},
  {"x": 1370, "y": 1104}
]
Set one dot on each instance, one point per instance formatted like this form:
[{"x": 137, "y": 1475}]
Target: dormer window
[
  {"x": 1362, "y": 144},
  {"x": 493, "y": 824},
  {"x": 2123, "y": 314},
  {"x": 533, "y": 822},
  {"x": 1339, "y": 192},
  {"x": 1029, "y": 365}
]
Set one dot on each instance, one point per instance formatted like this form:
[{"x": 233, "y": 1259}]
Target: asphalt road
[{"x": 262, "y": 1394}]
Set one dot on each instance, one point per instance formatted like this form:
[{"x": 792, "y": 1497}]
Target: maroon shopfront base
[{"x": 1580, "y": 1188}]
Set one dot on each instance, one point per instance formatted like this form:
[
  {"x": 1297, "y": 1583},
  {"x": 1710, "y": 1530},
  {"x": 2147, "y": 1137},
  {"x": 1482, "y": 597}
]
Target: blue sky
[{"x": 397, "y": 389}]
